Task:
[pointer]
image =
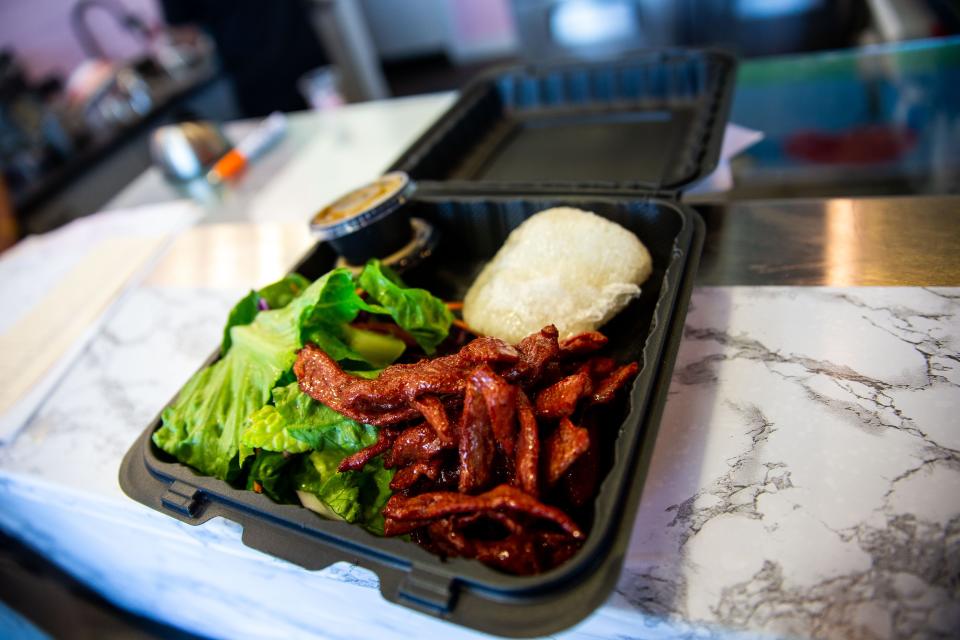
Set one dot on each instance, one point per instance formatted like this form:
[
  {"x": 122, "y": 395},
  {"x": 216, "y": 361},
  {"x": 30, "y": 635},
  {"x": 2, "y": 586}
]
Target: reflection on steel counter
[{"x": 908, "y": 241}]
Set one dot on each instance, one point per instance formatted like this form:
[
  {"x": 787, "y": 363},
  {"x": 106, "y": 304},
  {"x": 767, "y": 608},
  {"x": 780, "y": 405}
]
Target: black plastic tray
[
  {"x": 465, "y": 591},
  {"x": 620, "y": 139},
  {"x": 654, "y": 121}
]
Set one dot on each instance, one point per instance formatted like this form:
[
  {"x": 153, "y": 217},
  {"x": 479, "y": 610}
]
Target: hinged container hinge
[
  {"x": 182, "y": 498},
  {"x": 428, "y": 591}
]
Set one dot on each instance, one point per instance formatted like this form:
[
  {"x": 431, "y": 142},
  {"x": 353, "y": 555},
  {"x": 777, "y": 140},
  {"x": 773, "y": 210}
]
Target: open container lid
[{"x": 651, "y": 122}]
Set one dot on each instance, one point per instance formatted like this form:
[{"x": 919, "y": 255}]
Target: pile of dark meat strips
[{"x": 493, "y": 445}]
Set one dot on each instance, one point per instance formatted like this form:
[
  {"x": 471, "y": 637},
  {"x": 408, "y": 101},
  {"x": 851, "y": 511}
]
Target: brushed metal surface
[{"x": 905, "y": 241}]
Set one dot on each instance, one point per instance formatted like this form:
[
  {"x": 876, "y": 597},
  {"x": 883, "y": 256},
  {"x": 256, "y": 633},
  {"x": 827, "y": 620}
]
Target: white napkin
[
  {"x": 57, "y": 289},
  {"x": 735, "y": 140}
]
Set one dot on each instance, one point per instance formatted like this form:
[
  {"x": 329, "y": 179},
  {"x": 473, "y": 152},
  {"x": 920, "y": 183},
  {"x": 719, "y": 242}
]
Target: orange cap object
[{"x": 229, "y": 165}]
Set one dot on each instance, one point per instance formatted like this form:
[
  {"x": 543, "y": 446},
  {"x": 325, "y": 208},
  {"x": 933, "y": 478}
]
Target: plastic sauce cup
[{"x": 367, "y": 222}]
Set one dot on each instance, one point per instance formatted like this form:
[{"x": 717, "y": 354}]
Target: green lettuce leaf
[
  {"x": 242, "y": 313},
  {"x": 350, "y": 345},
  {"x": 425, "y": 317},
  {"x": 341, "y": 343},
  {"x": 327, "y": 327},
  {"x": 271, "y": 471},
  {"x": 248, "y": 404},
  {"x": 282, "y": 292},
  {"x": 202, "y": 427},
  {"x": 354, "y": 496},
  {"x": 369, "y": 374},
  {"x": 276, "y": 295},
  {"x": 296, "y": 423},
  {"x": 376, "y": 349},
  {"x": 267, "y": 430}
]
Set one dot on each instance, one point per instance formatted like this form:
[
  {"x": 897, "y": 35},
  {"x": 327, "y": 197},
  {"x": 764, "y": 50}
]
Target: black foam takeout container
[
  {"x": 653, "y": 121},
  {"x": 473, "y": 220}
]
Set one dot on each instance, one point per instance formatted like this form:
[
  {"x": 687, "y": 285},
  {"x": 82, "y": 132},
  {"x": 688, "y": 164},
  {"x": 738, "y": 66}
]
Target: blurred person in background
[{"x": 264, "y": 46}]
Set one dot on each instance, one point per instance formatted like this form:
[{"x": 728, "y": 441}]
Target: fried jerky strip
[
  {"x": 439, "y": 504},
  {"x": 537, "y": 352},
  {"x": 560, "y": 399},
  {"x": 509, "y": 524},
  {"x": 385, "y": 400},
  {"x": 320, "y": 377},
  {"x": 446, "y": 538},
  {"x": 408, "y": 476},
  {"x": 522, "y": 551},
  {"x": 582, "y": 344},
  {"x": 608, "y": 388},
  {"x": 517, "y": 554},
  {"x": 528, "y": 448},
  {"x": 555, "y": 548},
  {"x": 598, "y": 368},
  {"x": 562, "y": 448},
  {"x": 501, "y": 399},
  {"x": 436, "y": 416},
  {"x": 358, "y": 460},
  {"x": 453, "y": 525},
  {"x": 413, "y": 444},
  {"x": 476, "y": 445},
  {"x": 580, "y": 480},
  {"x": 393, "y": 527}
]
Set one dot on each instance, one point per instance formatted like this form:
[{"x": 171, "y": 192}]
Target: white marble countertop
[{"x": 805, "y": 481}]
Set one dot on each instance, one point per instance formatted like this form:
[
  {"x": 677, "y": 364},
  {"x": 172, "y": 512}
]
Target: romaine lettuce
[
  {"x": 248, "y": 406},
  {"x": 202, "y": 427},
  {"x": 274, "y": 296},
  {"x": 422, "y": 315},
  {"x": 296, "y": 423},
  {"x": 271, "y": 471},
  {"x": 354, "y": 496}
]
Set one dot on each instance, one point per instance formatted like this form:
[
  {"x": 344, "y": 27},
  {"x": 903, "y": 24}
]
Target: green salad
[{"x": 244, "y": 419}]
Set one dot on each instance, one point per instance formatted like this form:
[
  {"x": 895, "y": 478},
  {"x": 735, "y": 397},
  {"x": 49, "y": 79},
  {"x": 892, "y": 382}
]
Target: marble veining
[
  {"x": 805, "y": 481},
  {"x": 147, "y": 349},
  {"x": 818, "y": 494}
]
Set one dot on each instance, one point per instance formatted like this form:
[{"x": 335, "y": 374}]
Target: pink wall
[
  {"x": 481, "y": 21},
  {"x": 39, "y": 33},
  {"x": 481, "y": 28}
]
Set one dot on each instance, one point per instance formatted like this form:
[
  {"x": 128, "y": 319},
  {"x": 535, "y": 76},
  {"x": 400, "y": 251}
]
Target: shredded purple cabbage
[{"x": 262, "y": 304}]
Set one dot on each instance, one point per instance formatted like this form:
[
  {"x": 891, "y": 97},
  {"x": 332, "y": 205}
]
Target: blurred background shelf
[{"x": 874, "y": 114}]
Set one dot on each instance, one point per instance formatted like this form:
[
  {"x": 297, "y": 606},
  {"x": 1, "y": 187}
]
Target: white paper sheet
[
  {"x": 735, "y": 140},
  {"x": 58, "y": 287}
]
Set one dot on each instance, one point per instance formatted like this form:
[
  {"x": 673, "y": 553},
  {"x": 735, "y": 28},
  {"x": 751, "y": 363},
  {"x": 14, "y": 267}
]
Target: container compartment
[
  {"x": 652, "y": 121},
  {"x": 465, "y": 591}
]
